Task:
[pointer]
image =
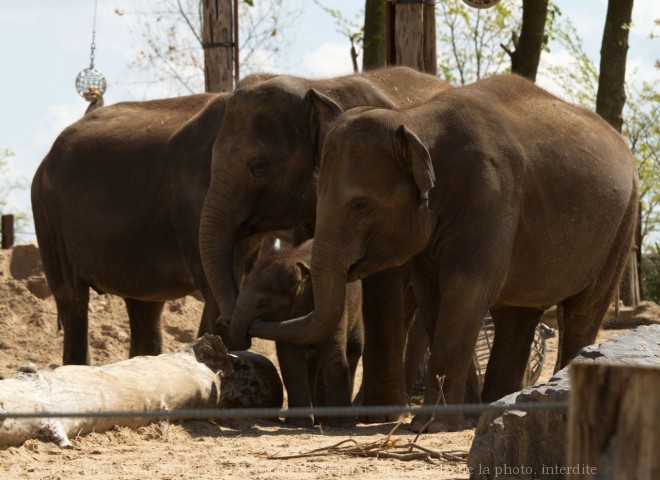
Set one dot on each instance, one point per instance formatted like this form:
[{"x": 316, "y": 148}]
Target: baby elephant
[{"x": 279, "y": 287}]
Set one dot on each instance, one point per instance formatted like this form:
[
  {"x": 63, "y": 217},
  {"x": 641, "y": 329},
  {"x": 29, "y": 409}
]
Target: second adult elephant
[
  {"x": 265, "y": 167},
  {"x": 509, "y": 199},
  {"x": 116, "y": 206}
]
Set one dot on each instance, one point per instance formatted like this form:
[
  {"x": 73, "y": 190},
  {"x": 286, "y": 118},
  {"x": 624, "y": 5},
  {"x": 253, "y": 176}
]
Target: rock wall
[{"x": 531, "y": 445}]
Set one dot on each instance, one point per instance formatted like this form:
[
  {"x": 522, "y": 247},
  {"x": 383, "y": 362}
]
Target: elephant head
[
  {"x": 276, "y": 289},
  {"x": 262, "y": 177},
  {"x": 267, "y": 157},
  {"x": 372, "y": 214}
]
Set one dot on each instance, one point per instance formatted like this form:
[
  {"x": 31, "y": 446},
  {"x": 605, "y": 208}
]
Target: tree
[
  {"x": 641, "y": 127},
  {"x": 527, "y": 54},
  {"x": 373, "y": 40},
  {"x": 470, "y": 40},
  {"x": 611, "y": 96},
  {"x": 352, "y": 30},
  {"x": 610, "y": 100},
  {"x": 171, "y": 32}
]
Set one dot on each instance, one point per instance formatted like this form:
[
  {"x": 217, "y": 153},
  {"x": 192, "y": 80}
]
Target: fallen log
[{"x": 200, "y": 375}]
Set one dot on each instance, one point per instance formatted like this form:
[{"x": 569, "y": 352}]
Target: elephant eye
[
  {"x": 361, "y": 207},
  {"x": 260, "y": 167},
  {"x": 262, "y": 304}
]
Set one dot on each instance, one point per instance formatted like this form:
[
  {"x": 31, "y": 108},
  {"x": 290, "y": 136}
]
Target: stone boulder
[
  {"x": 531, "y": 445},
  {"x": 25, "y": 265}
]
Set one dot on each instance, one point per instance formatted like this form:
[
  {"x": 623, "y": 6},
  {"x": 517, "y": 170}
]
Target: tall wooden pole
[
  {"x": 218, "y": 40},
  {"x": 411, "y": 38},
  {"x": 613, "y": 422}
]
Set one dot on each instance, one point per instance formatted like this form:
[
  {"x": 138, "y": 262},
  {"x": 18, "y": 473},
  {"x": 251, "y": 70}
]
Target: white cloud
[
  {"x": 645, "y": 12},
  {"x": 329, "y": 59}
]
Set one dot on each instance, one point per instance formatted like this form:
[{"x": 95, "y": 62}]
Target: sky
[{"x": 45, "y": 43}]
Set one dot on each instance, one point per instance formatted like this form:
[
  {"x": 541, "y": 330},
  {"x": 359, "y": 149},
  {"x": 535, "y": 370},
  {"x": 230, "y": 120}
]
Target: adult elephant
[
  {"x": 508, "y": 198},
  {"x": 263, "y": 178},
  {"x": 116, "y": 206}
]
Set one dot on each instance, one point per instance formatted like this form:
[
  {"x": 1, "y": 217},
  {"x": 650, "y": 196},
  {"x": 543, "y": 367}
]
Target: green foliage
[
  {"x": 641, "y": 129},
  {"x": 171, "y": 32},
  {"x": 353, "y": 30},
  {"x": 651, "y": 274},
  {"x": 576, "y": 74},
  {"x": 472, "y": 42}
]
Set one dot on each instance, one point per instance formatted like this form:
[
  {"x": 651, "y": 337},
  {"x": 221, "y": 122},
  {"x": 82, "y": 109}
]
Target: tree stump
[
  {"x": 614, "y": 422},
  {"x": 200, "y": 375}
]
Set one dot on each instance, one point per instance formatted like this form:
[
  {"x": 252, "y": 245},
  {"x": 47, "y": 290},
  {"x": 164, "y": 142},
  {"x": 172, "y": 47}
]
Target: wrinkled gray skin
[
  {"x": 508, "y": 198},
  {"x": 116, "y": 206},
  {"x": 279, "y": 287},
  {"x": 263, "y": 178}
]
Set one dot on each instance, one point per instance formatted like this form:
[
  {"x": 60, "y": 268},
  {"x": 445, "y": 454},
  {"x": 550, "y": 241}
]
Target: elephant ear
[
  {"x": 415, "y": 159},
  {"x": 305, "y": 272},
  {"x": 321, "y": 111}
]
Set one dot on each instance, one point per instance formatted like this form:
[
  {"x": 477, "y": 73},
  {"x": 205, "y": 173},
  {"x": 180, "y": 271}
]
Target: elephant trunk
[
  {"x": 218, "y": 234},
  {"x": 329, "y": 283}
]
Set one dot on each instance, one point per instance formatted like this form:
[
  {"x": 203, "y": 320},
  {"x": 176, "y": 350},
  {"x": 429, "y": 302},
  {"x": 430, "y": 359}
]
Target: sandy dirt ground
[{"x": 190, "y": 450}]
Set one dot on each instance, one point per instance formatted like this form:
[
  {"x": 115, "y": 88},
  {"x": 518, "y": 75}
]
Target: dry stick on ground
[{"x": 388, "y": 447}]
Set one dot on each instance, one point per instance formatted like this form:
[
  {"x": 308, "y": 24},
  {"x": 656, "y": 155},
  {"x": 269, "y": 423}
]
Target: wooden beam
[
  {"x": 411, "y": 38},
  {"x": 7, "y": 231},
  {"x": 613, "y": 422},
  {"x": 218, "y": 43}
]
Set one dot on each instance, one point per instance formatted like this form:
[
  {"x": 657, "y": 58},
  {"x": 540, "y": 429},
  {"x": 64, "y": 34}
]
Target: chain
[
  {"x": 93, "y": 45},
  {"x": 297, "y": 411}
]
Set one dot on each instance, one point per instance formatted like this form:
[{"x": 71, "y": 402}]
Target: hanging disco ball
[
  {"x": 90, "y": 84},
  {"x": 482, "y": 3}
]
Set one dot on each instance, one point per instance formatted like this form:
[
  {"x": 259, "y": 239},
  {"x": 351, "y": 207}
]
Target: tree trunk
[
  {"x": 411, "y": 36},
  {"x": 611, "y": 95},
  {"x": 525, "y": 58},
  {"x": 610, "y": 100},
  {"x": 218, "y": 42},
  {"x": 202, "y": 375},
  {"x": 373, "y": 48},
  {"x": 613, "y": 422}
]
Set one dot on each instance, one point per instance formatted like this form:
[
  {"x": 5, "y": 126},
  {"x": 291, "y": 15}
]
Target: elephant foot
[
  {"x": 392, "y": 417},
  {"x": 301, "y": 422},
  {"x": 339, "y": 422},
  {"x": 422, "y": 424}
]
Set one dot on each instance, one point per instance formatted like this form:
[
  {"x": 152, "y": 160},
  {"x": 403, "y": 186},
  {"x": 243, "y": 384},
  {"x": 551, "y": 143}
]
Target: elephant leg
[
  {"x": 354, "y": 349},
  {"x": 579, "y": 317},
  {"x": 72, "y": 311},
  {"x": 383, "y": 373},
  {"x": 296, "y": 378},
  {"x": 579, "y": 321},
  {"x": 417, "y": 345},
  {"x": 336, "y": 376},
  {"x": 458, "y": 324},
  {"x": 144, "y": 319},
  {"x": 514, "y": 333}
]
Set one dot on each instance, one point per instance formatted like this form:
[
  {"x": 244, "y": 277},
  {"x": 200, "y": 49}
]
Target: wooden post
[
  {"x": 411, "y": 39},
  {"x": 218, "y": 40},
  {"x": 613, "y": 422},
  {"x": 7, "y": 231}
]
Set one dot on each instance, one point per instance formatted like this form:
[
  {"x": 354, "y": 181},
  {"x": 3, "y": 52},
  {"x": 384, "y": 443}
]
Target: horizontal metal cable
[{"x": 210, "y": 413}]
